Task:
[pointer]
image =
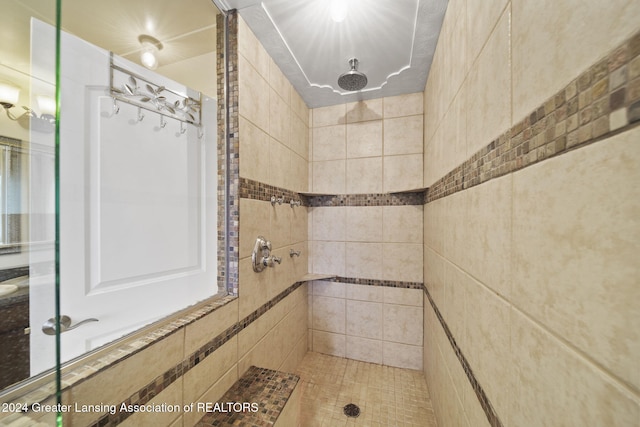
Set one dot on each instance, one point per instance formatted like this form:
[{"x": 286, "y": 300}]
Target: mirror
[{"x": 159, "y": 40}]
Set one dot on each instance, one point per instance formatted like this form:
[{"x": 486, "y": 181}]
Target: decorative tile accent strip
[
  {"x": 375, "y": 282},
  {"x": 384, "y": 199},
  {"x": 250, "y": 189},
  {"x": 161, "y": 382},
  {"x": 228, "y": 149},
  {"x": 489, "y": 411},
  {"x": 267, "y": 389},
  {"x": 602, "y": 101}
]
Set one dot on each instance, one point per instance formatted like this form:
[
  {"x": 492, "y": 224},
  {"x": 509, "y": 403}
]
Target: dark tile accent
[
  {"x": 228, "y": 151},
  {"x": 264, "y": 394},
  {"x": 489, "y": 411},
  {"x": 250, "y": 189},
  {"x": 578, "y": 115},
  {"x": 384, "y": 199},
  {"x": 375, "y": 282}
]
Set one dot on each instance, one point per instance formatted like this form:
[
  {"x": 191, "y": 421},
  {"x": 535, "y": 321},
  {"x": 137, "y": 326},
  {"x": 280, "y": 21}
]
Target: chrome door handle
[{"x": 49, "y": 327}]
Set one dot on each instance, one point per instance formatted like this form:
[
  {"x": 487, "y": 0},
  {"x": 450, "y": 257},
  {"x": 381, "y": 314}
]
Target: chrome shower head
[{"x": 353, "y": 79}]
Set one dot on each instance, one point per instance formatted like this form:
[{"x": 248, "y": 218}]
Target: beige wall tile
[
  {"x": 364, "y": 292},
  {"x": 481, "y": 19},
  {"x": 254, "y": 289},
  {"x": 364, "y": 139},
  {"x": 329, "y": 258},
  {"x": 489, "y": 89},
  {"x": 546, "y": 61},
  {"x": 575, "y": 249},
  {"x": 402, "y": 324},
  {"x": 364, "y": 349},
  {"x": 203, "y": 330},
  {"x": 402, "y": 355},
  {"x": 434, "y": 221},
  {"x": 454, "y": 136},
  {"x": 216, "y": 391},
  {"x": 487, "y": 236},
  {"x": 279, "y": 118},
  {"x": 327, "y": 116},
  {"x": 329, "y": 314},
  {"x": 170, "y": 396},
  {"x": 363, "y": 260},
  {"x": 299, "y": 222},
  {"x": 364, "y": 175},
  {"x": 361, "y": 111},
  {"x": 299, "y": 107},
  {"x": 328, "y": 343},
  {"x": 279, "y": 82},
  {"x": 403, "y": 105},
  {"x": 290, "y": 415},
  {"x": 328, "y": 289},
  {"x": 571, "y": 390},
  {"x": 329, "y": 143},
  {"x": 329, "y": 177},
  {"x": 402, "y": 224},
  {"x": 329, "y": 223},
  {"x": 402, "y": 261},
  {"x": 299, "y": 137},
  {"x": 140, "y": 369},
  {"x": 488, "y": 347},
  {"x": 401, "y": 296},
  {"x": 280, "y": 225},
  {"x": 253, "y": 95},
  {"x": 364, "y": 223},
  {"x": 403, "y": 135},
  {"x": 455, "y": 304},
  {"x": 254, "y": 221},
  {"x": 434, "y": 275},
  {"x": 364, "y": 319},
  {"x": 402, "y": 172},
  {"x": 298, "y": 174},
  {"x": 255, "y": 152},
  {"x": 454, "y": 56},
  {"x": 279, "y": 164},
  {"x": 250, "y": 48}
]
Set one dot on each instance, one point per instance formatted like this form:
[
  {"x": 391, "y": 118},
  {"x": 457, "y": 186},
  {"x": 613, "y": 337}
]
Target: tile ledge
[{"x": 311, "y": 276}]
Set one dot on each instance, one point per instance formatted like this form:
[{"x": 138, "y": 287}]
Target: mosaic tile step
[{"x": 258, "y": 398}]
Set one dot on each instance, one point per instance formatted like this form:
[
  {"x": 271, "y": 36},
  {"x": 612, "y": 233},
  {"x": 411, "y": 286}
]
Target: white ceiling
[{"x": 393, "y": 40}]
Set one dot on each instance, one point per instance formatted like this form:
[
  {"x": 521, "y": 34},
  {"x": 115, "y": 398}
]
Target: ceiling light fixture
[
  {"x": 339, "y": 10},
  {"x": 150, "y": 48}
]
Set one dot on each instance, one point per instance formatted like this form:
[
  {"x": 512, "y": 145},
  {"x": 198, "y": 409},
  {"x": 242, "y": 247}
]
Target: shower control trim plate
[{"x": 261, "y": 256}]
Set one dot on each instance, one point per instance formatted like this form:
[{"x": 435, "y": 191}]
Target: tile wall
[
  {"x": 362, "y": 152},
  {"x": 375, "y": 324},
  {"x": 530, "y": 267}
]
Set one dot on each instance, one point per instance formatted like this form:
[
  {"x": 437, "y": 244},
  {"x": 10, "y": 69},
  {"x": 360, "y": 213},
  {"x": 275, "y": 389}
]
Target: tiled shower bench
[{"x": 274, "y": 392}]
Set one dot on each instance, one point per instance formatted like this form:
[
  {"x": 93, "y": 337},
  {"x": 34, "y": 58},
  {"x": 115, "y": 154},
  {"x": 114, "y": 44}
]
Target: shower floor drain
[{"x": 351, "y": 410}]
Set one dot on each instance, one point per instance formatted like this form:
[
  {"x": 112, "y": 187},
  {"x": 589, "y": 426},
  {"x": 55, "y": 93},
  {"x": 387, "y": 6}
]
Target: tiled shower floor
[{"x": 386, "y": 396}]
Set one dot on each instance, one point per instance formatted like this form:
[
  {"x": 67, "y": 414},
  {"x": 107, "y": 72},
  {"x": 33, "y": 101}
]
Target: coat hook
[
  {"x": 140, "y": 115},
  {"x": 200, "y": 132},
  {"x": 116, "y": 107},
  {"x": 162, "y": 122},
  {"x": 182, "y": 128}
]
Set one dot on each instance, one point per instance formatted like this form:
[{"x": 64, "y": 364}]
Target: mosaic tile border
[
  {"x": 228, "y": 150},
  {"x": 373, "y": 199},
  {"x": 601, "y": 102},
  {"x": 489, "y": 411},
  {"x": 269, "y": 389},
  {"x": 164, "y": 380},
  {"x": 250, "y": 189},
  {"x": 375, "y": 282}
]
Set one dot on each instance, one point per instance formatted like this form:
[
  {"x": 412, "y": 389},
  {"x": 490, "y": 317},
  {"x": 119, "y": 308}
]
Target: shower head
[{"x": 353, "y": 79}]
